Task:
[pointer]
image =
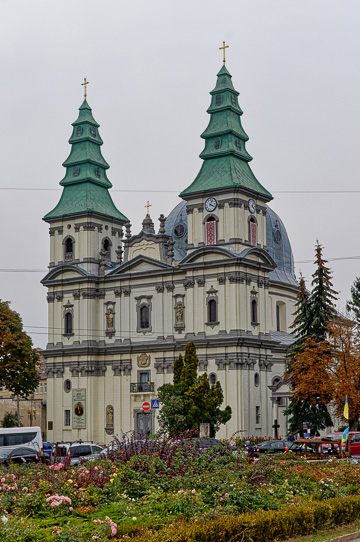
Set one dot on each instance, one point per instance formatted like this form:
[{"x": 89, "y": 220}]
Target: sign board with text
[{"x": 79, "y": 408}]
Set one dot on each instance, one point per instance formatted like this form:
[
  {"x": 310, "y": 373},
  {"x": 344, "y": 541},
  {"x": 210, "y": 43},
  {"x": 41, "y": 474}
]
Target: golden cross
[
  {"x": 223, "y": 48},
  {"x": 147, "y": 208},
  {"x": 84, "y": 85}
]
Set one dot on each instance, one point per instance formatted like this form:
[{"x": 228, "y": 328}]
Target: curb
[{"x": 346, "y": 537}]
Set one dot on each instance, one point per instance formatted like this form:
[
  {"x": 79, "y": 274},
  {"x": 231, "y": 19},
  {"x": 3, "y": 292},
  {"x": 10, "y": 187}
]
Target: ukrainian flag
[
  {"x": 345, "y": 435},
  {"x": 346, "y": 409},
  {"x": 148, "y": 378}
]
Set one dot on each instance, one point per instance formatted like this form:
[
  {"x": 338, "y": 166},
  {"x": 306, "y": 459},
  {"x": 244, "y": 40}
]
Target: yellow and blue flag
[
  {"x": 345, "y": 435},
  {"x": 346, "y": 409},
  {"x": 148, "y": 378}
]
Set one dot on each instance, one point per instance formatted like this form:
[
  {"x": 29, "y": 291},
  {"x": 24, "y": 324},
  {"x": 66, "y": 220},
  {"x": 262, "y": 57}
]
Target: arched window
[
  {"x": 79, "y": 131},
  {"x": 280, "y": 316},
  {"x": 145, "y": 317},
  {"x": 210, "y": 231},
  {"x": 256, "y": 379},
  {"x": 212, "y": 379},
  {"x": 218, "y": 99},
  {"x": 252, "y": 232},
  {"x": 106, "y": 246},
  {"x": 68, "y": 249},
  {"x": 212, "y": 311},
  {"x": 254, "y": 311},
  {"x": 68, "y": 323},
  {"x": 217, "y": 143}
]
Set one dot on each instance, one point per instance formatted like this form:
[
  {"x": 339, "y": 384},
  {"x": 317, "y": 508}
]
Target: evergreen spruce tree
[
  {"x": 354, "y": 304},
  {"x": 322, "y": 297},
  {"x": 312, "y": 315}
]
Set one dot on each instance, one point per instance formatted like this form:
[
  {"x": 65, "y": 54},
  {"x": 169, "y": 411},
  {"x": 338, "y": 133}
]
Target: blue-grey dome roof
[
  {"x": 277, "y": 242},
  {"x": 279, "y": 248}
]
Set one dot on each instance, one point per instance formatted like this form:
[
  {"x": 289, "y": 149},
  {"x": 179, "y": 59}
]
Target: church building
[{"x": 218, "y": 270}]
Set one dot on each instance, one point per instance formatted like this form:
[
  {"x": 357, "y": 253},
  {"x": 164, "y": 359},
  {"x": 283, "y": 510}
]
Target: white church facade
[{"x": 218, "y": 270}]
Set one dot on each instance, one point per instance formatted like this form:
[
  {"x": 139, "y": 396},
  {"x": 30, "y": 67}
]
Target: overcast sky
[{"x": 151, "y": 66}]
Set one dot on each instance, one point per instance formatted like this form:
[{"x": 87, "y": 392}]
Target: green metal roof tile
[
  {"x": 85, "y": 182},
  {"x": 85, "y": 197},
  {"x": 225, "y": 172},
  {"x": 225, "y": 156}
]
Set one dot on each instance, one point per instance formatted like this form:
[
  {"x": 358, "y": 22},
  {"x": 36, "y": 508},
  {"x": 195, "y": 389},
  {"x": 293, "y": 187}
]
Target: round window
[
  {"x": 179, "y": 230},
  {"x": 67, "y": 386}
]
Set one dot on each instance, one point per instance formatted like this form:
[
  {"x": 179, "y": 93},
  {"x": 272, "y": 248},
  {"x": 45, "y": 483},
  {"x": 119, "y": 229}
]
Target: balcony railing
[{"x": 141, "y": 387}]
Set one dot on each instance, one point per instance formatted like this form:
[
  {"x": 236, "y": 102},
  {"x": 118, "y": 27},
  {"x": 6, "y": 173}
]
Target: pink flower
[
  {"x": 71, "y": 508},
  {"x": 98, "y": 521},
  {"x": 227, "y": 495},
  {"x": 193, "y": 491},
  {"x": 2, "y": 480},
  {"x": 221, "y": 499}
]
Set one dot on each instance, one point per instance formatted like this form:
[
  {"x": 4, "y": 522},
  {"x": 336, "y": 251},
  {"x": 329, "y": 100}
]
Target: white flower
[
  {"x": 134, "y": 518},
  {"x": 4, "y": 519}
]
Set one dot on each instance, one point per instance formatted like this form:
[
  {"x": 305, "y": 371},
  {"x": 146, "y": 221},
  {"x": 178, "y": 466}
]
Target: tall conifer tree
[
  {"x": 354, "y": 304},
  {"x": 312, "y": 316}
]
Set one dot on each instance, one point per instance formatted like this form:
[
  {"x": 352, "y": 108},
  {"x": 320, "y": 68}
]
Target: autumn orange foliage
[{"x": 328, "y": 370}]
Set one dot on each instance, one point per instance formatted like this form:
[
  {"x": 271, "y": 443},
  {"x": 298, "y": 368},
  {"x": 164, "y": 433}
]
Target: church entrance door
[{"x": 144, "y": 423}]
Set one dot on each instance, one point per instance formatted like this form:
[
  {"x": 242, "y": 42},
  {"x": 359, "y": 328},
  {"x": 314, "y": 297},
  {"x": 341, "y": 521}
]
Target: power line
[{"x": 143, "y": 191}]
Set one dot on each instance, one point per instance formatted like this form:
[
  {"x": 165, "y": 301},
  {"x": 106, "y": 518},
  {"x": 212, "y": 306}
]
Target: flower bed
[{"x": 142, "y": 490}]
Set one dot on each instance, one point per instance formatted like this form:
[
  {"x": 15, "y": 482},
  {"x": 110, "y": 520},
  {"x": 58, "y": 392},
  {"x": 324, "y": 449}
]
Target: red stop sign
[{"x": 146, "y": 406}]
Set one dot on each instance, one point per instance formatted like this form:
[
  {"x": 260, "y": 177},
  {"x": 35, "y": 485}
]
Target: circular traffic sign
[{"x": 146, "y": 406}]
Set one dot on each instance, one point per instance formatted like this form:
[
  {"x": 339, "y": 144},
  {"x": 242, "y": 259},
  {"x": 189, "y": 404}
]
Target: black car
[
  {"x": 19, "y": 455},
  {"x": 275, "y": 446},
  {"x": 205, "y": 443}
]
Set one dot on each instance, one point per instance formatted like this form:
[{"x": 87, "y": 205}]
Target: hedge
[{"x": 289, "y": 522}]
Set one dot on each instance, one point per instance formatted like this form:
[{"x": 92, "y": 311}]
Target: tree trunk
[{"x": 18, "y": 410}]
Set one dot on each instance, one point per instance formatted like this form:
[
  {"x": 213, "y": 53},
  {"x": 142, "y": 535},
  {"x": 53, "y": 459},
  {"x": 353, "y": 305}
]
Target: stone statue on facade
[
  {"x": 110, "y": 319},
  {"x": 179, "y": 314}
]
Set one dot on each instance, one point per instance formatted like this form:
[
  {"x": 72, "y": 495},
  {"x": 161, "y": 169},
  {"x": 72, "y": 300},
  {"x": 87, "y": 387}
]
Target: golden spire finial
[
  {"x": 223, "y": 49},
  {"x": 84, "y": 85},
  {"x": 147, "y": 208}
]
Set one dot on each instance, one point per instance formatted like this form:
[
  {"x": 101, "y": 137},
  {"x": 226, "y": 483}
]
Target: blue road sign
[{"x": 155, "y": 403}]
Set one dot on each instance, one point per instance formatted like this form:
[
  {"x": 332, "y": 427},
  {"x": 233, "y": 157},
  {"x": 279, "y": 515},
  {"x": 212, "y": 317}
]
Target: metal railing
[{"x": 141, "y": 387}]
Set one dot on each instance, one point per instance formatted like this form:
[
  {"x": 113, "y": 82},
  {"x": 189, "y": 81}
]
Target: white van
[{"x": 16, "y": 437}]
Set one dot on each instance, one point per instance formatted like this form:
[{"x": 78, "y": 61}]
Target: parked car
[
  {"x": 47, "y": 448},
  {"x": 275, "y": 446},
  {"x": 19, "y": 455},
  {"x": 354, "y": 439},
  {"x": 79, "y": 451}
]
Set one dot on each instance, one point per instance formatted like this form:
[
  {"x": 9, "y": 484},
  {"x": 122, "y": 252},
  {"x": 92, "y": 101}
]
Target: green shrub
[{"x": 262, "y": 526}]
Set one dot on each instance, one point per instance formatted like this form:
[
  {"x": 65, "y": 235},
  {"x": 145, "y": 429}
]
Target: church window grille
[
  {"x": 144, "y": 317},
  {"x": 257, "y": 415},
  {"x": 212, "y": 311},
  {"x": 212, "y": 379},
  {"x": 218, "y": 99},
  {"x": 217, "y": 143},
  {"x": 256, "y": 379},
  {"x": 275, "y": 381},
  {"x": 76, "y": 171},
  {"x": 67, "y": 418},
  {"x": 79, "y": 131},
  {"x": 233, "y": 99},
  {"x": 254, "y": 311},
  {"x": 252, "y": 232},
  {"x": 68, "y": 323},
  {"x": 210, "y": 231},
  {"x": 93, "y": 131},
  {"x": 97, "y": 172},
  {"x": 238, "y": 144}
]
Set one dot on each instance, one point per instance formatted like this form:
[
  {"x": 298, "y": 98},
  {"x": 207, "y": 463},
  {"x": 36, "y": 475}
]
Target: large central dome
[{"x": 277, "y": 242}]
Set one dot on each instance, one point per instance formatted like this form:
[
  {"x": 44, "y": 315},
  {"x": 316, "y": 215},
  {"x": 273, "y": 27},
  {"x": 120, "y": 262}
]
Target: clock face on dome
[
  {"x": 210, "y": 204},
  {"x": 252, "y": 205}
]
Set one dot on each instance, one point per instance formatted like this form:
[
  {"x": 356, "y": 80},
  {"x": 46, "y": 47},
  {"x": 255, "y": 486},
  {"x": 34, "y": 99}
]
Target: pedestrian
[{"x": 291, "y": 437}]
